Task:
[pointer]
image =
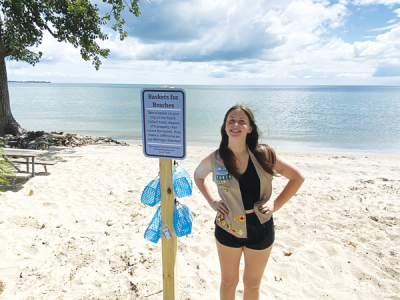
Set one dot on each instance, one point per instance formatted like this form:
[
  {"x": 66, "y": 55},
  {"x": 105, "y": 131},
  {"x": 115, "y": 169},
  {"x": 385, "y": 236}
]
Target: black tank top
[{"x": 249, "y": 183}]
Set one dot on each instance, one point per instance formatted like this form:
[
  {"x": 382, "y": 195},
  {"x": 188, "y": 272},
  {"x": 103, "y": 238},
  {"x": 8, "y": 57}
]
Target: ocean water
[{"x": 329, "y": 118}]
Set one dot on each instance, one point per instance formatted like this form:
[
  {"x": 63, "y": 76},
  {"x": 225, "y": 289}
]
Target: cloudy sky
[{"x": 239, "y": 42}]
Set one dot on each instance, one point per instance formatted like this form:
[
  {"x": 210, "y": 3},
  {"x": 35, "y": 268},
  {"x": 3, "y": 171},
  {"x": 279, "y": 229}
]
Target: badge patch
[
  {"x": 222, "y": 174},
  {"x": 233, "y": 230},
  {"x": 223, "y": 177},
  {"x": 224, "y": 187},
  {"x": 239, "y": 218},
  {"x": 223, "y": 223},
  {"x": 240, "y": 231},
  {"x": 220, "y": 218},
  {"x": 229, "y": 227},
  {"x": 221, "y": 171}
]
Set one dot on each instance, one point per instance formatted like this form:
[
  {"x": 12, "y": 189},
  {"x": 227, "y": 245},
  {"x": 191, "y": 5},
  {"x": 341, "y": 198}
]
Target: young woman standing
[{"x": 243, "y": 170}]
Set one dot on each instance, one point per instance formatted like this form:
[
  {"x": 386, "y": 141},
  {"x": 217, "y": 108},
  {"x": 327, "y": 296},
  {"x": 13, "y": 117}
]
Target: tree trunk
[{"x": 8, "y": 125}]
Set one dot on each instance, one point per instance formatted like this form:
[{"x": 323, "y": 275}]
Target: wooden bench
[
  {"x": 16, "y": 176},
  {"x": 44, "y": 163}
]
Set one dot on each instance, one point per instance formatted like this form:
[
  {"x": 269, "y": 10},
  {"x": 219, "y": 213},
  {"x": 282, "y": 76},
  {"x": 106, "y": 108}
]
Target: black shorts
[{"x": 259, "y": 236}]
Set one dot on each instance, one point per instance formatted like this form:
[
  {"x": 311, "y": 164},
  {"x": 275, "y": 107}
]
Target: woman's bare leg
[
  {"x": 229, "y": 260},
  {"x": 255, "y": 262}
]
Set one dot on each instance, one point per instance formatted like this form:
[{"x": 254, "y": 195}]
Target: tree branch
[
  {"x": 49, "y": 30},
  {"x": 40, "y": 22}
]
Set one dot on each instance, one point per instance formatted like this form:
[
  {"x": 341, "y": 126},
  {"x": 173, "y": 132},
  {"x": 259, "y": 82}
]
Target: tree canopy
[{"x": 77, "y": 22}]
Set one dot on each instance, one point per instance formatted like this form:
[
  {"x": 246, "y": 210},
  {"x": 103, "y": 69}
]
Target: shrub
[{"x": 6, "y": 168}]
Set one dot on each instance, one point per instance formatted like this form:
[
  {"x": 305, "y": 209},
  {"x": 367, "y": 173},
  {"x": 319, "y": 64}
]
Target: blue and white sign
[{"x": 164, "y": 122}]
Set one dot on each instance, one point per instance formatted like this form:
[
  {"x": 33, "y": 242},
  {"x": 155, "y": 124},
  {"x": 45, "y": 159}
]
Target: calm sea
[{"x": 349, "y": 118}]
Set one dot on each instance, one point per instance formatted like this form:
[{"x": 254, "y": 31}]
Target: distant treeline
[{"x": 31, "y": 81}]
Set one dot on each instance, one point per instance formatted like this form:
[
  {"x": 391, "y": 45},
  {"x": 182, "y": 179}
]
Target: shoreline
[
  {"x": 284, "y": 150},
  {"x": 80, "y": 231}
]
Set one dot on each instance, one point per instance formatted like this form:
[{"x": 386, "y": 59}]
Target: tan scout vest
[{"x": 229, "y": 190}]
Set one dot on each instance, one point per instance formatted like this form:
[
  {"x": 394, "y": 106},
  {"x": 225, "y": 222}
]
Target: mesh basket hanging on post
[
  {"x": 151, "y": 194},
  {"x": 153, "y": 231},
  {"x": 183, "y": 220},
  {"x": 182, "y": 182}
]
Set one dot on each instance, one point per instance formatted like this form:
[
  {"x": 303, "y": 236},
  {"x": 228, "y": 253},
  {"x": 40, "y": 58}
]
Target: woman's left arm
[{"x": 296, "y": 179}]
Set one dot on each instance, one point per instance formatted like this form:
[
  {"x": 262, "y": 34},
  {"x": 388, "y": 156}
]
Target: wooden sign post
[
  {"x": 164, "y": 137},
  {"x": 167, "y": 215}
]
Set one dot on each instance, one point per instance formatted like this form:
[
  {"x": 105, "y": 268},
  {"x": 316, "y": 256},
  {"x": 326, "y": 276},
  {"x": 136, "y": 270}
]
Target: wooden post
[{"x": 167, "y": 215}]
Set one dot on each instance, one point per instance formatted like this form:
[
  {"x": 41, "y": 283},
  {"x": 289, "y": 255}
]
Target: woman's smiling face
[{"x": 237, "y": 124}]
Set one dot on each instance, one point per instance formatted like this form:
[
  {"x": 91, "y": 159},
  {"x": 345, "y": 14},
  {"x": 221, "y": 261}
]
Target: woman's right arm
[{"x": 200, "y": 174}]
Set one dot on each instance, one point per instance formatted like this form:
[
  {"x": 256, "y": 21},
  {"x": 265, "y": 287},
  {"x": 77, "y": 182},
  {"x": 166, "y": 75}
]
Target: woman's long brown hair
[{"x": 264, "y": 154}]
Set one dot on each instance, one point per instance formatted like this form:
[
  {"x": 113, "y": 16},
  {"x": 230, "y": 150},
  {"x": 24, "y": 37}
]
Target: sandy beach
[{"x": 77, "y": 231}]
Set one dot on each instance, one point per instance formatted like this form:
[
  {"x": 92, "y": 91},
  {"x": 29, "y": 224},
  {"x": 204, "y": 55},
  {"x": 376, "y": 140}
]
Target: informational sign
[{"x": 164, "y": 123}]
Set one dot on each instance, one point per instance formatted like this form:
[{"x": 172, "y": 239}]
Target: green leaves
[
  {"x": 73, "y": 21},
  {"x": 6, "y": 168}
]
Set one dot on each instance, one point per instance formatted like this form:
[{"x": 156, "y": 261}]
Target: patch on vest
[
  {"x": 221, "y": 171},
  {"x": 239, "y": 218},
  {"x": 223, "y": 223},
  {"x": 233, "y": 230},
  {"x": 224, "y": 187},
  {"x": 229, "y": 226},
  {"x": 220, "y": 218},
  {"x": 220, "y": 161},
  {"x": 222, "y": 175},
  {"x": 240, "y": 231}
]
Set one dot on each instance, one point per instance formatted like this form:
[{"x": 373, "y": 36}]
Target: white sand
[{"x": 80, "y": 235}]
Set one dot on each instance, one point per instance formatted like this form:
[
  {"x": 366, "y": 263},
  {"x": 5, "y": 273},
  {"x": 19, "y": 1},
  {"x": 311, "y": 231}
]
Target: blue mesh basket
[
  {"x": 182, "y": 182},
  {"x": 153, "y": 231},
  {"x": 183, "y": 220},
  {"x": 151, "y": 194}
]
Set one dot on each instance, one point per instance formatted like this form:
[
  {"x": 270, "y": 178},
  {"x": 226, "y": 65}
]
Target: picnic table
[{"x": 28, "y": 155}]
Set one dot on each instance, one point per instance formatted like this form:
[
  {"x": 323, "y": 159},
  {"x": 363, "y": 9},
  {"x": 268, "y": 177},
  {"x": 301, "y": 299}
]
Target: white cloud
[
  {"x": 304, "y": 21},
  {"x": 301, "y": 26},
  {"x": 224, "y": 42},
  {"x": 227, "y": 31},
  {"x": 397, "y": 11},
  {"x": 370, "y": 2},
  {"x": 387, "y": 70},
  {"x": 353, "y": 75},
  {"x": 384, "y": 28}
]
